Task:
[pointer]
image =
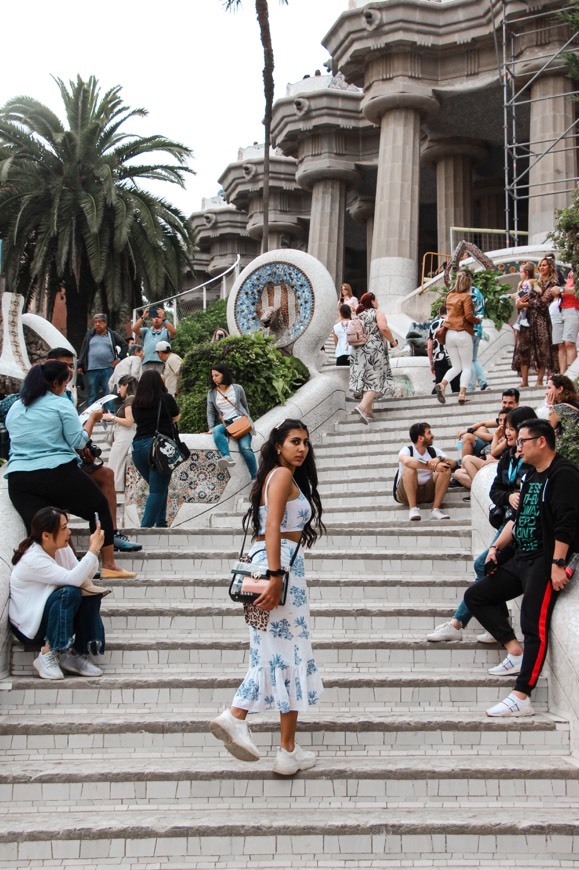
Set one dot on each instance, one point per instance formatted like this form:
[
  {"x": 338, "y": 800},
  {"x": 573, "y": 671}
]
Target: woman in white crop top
[{"x": 282, "y": 675}]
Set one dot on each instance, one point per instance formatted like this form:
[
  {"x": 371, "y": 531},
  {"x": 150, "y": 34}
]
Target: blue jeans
[
  {"x": 69, "y": 619},
  {"x": 462, "y": 613},
  {"x": 220, "y": 438},
  {"x": 98, "y": 384},
  {"x": 156, "y": 506},
  {"x": 478, "y": 373}
]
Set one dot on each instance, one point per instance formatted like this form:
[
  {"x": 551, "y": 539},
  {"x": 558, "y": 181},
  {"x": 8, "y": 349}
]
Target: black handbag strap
[
  {"x": 245, "y": 524},
  {"x": 159, "y": 420}
]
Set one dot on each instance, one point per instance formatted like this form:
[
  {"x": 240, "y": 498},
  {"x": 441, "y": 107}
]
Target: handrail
[{"x": 169, "y": 300}]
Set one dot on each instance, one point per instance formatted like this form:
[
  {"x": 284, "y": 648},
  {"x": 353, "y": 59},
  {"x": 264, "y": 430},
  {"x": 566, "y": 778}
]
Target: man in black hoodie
[{"x": 543, "y": 535}]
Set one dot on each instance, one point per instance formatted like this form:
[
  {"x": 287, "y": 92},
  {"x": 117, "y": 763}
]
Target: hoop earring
[{"x": 278, "y": 452}]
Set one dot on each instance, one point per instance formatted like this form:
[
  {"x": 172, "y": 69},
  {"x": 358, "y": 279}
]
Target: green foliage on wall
[
  {"x": 199, "y": 328},
  {"x": 489, "y": 282},
  {"x": 566, "y": 235},
  {"x": 268, "y": 377}
]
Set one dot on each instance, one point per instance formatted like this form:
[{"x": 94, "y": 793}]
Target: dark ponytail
[
  {"x": 41, "y": 378},
  {"x": 45, "y": 520}
]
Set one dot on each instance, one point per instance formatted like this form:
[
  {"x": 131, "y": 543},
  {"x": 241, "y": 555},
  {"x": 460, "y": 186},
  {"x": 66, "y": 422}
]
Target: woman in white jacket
[{"x": 53, "y": 601}]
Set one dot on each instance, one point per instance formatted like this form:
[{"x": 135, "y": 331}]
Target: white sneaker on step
[
  {"x": 226, "y": 462},
  {"x": 437, "y": 514},
  {"x": 512, "y": 706},
  {"x": 485, "y": 637},
  {"x": 47, "y": 667},
  {"x": 235, "y": 735},
  {"x": 288, "y": 763},
  {"x": 414, "y": 514},
  {"x": 74, "y": 663},
  {"x": 510, "y": 666},
  {"x": 446, "y": 631}
]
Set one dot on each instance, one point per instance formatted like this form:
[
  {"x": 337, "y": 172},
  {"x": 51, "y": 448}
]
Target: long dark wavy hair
[
  {"x": 306, "y": 477},
  {"x": 365, "y": 303},
  {"x": 150, "y": 390},
  {"x": 41, "y": 378},
  {"x": 47, "y": 519}
]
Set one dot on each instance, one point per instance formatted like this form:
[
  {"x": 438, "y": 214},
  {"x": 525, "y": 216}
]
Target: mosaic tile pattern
[
  {"x": 198, "y": 481},
  {"x": 280, "y": 285}
]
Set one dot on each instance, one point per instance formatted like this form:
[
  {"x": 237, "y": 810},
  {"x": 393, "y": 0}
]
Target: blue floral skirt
[{"x": 282, "y": 674}]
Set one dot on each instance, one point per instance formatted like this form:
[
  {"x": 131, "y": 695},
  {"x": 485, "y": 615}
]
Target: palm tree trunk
[
  {"x": 76, "y": 313},
  {"x": 262, "y": 12}
]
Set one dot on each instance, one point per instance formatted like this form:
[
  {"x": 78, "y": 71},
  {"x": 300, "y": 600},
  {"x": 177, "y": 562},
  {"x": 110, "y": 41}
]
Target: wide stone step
[
  {"x": 333, "y": 734},
  {"x": 357, "y": 832},
  {"x": 179, "y": 651},
  {"x": 338, "y": 563},
  {"x": 366, "y": 685},
  {"x": 103, "y": 781}
]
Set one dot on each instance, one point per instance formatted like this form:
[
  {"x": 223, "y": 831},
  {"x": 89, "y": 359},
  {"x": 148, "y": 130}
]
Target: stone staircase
[{"x": 122, "y": 771}]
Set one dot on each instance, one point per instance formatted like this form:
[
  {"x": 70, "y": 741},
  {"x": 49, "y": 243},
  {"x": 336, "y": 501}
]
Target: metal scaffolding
[{"x": 520, "y": 156}]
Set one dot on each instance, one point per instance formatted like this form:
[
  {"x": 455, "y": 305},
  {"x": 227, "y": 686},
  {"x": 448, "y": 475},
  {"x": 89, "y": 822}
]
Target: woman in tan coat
[{"x": 459, "y": 322}]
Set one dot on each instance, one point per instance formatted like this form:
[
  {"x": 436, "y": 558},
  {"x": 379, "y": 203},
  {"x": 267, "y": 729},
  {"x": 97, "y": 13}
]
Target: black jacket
[
  {"x": 559, "y": 505},
  {"x": 501, "y": 487},
  {"x": 116, "y": 341}
]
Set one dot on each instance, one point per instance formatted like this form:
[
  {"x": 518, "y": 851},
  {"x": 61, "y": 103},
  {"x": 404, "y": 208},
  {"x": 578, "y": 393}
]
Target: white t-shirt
[
  {"x": 340, "y": 330},
  {"x": 225, "y": 407},
  {"x": 423, "y": 476}
]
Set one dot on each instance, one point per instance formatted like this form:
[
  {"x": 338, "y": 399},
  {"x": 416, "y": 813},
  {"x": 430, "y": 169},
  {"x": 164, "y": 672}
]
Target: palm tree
[
  {"x": 72, "y": 213},
  {"x": 262, "y": 13}
]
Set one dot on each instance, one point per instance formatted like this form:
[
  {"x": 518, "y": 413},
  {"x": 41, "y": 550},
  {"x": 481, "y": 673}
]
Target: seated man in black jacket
[{"x": 544, "y": 534}]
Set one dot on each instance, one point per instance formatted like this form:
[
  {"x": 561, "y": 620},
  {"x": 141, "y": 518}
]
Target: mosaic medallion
[{"x": 278, "y": 297}]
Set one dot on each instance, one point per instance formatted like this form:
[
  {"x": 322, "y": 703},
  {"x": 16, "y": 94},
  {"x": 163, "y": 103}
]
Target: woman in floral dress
[
  {"x": 370, "y": 373},
  {"x": 282, "y": 675},
  {"x": 534, "y": 348}
]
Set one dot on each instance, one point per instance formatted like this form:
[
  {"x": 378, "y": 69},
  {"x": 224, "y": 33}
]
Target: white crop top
[{"x": 296, "y": 515}]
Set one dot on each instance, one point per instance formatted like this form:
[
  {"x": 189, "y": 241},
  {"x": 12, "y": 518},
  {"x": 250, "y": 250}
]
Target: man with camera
[
  {"x": 423, "y": 473},
  {"x": 160, "y": 329},
  {"x": 530, "y": 557}
]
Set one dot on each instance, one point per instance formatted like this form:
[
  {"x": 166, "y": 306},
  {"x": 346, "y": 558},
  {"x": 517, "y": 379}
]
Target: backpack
[
  {"x": 356, "y": 334},
  {"x": 431, "y": 452}
]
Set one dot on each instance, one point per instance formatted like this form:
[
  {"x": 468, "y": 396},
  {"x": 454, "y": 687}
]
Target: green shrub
[
  {"x": 488, "y": 282},
  {"x": 199, "y": 328},
  {"x": 268, "y": 377}
]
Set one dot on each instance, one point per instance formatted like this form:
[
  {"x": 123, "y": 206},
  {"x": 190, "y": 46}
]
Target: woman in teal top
[{"x": 44, "y": 466}]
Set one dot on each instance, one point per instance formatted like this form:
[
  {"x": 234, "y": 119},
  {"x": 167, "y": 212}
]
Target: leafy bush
[
  {"x": 497, "y": 309},
  {"x": 566, "y": 235},
  {"x": 199, "y": 328},
  {"x": 268, "y": 377}
]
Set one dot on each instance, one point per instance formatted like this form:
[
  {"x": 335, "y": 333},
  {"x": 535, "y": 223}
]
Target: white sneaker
[
  {"x": 235, "y": 735},
  {"x": 437, "y": 514},
  {"x": 288, "y": 763},
  {"x": 512, "y": 706},
  {"x": 47, "y": 667},
  {"x": 510, "y": 665},
  {"x": 485, "y": 637},
  {"x": 414, "y": 514},
  {"x": 226, "y": 462},
  {"x": 74, "y": 663},
  {"x": 446, "y": 631}
]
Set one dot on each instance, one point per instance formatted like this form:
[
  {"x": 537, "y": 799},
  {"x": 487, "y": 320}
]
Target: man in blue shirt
[
  {"x": 160, "y": 329},
  {"x": 100, "y": 352},
  {"x": 478, "y": 373}
]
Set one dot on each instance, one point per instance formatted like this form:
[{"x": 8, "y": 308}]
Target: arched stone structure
[{"x": 290, "y": 295}]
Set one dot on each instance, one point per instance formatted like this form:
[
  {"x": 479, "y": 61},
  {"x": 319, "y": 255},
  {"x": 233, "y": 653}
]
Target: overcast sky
[{"x": 196, "y": 68}]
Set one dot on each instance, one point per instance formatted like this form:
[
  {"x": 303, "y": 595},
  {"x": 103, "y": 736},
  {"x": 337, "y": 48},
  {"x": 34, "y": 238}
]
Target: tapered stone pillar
[
  {"x": 551, "y": 178},
  {"x": 361, "y": 208},
  {"x": 454, "y": 160},
  {"x": 393, "y": 271},
  {"x": 326, "y": 239}
]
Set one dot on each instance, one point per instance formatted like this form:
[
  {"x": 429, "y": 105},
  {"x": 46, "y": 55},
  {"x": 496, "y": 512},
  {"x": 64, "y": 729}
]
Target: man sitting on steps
[
  {"x": 478, "y": 436},
  {"x": 423, "y": 473}
]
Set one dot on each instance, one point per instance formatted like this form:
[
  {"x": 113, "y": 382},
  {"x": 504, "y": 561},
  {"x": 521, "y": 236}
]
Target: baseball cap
[{"x": 163, "y": 346}]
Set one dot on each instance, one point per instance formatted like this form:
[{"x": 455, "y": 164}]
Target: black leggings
[{"x": 65, "y": 487}]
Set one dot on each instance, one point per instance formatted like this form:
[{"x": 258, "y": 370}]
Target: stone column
[
  {"x": 361, "y": 209},
  {"x": 326, "y": 239},
  {"x": 550, "y": 177},
  {"x": 454, "y": 160},
  {"x": 394, "y": 267}
]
